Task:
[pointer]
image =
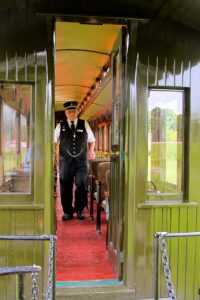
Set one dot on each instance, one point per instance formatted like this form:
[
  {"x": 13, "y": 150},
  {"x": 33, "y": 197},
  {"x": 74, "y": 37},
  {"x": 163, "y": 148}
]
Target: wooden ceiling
[{"x": 82, "y": 51}]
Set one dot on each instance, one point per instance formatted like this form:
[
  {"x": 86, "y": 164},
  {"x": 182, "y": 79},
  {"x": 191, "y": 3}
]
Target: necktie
[{"x": 72, "y": 126}]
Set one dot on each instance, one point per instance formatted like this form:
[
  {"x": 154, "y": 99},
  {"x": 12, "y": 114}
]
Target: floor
[{"x": 81, "y": 251}]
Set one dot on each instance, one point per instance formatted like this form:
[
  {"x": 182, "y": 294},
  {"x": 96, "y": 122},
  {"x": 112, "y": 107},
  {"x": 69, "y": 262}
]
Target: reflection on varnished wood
[{"x": 17, "y": 181}]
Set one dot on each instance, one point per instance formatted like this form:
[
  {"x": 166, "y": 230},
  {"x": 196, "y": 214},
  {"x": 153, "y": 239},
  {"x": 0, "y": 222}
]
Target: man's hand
[{"x": 91, "y": 154}]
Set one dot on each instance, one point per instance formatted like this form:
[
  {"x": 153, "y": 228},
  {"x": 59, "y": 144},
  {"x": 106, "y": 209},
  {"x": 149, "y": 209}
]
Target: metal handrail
[
  {"x": 20, "y": 271},
  {"x": 50, "y": 294},
  {"x": 158, "y": 236},
  {"x": 43, "y": 237}
]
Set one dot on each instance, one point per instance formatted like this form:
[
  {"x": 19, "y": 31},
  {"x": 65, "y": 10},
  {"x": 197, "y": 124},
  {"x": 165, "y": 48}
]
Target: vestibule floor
[{"x": 81, "y": 251}]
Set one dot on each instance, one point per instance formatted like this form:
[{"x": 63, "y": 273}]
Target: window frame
[
  {"x": 23, "y": 198},
  {"x": 184, "y": 195}
]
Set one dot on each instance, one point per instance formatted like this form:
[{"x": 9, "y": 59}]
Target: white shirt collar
[{"x": 75, "y": 122}]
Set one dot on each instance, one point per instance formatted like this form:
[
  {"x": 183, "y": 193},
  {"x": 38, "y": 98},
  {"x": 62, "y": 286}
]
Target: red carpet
[{"x": 81, "y": 252}]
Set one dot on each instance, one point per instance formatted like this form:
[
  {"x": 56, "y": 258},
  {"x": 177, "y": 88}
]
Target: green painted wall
[
  {"x": 163, "y": 54},
  {"x": 25, "y": 35},
  {"x": 24, "y": 31}
]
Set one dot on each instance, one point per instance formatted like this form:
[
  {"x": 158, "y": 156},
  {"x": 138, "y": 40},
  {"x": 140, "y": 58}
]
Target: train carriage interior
[
  {"x": 134, "y": 69},
  {"x": 88, "y": 48}
]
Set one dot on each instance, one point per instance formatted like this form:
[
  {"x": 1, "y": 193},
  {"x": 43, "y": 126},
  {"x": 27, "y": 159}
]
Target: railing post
[
  {"x": 20, "y": 286},
  {"x": 50, "y": 295},
  {"x": 54, "y": 270},
  {"x": 156, "y": 271}
]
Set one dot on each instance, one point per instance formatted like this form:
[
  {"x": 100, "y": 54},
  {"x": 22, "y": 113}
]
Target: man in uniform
[{"x": 76, "y": 144}]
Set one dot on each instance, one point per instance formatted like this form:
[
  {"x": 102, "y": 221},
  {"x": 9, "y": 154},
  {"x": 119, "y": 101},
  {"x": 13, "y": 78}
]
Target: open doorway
[{"x": 84, "y": 73}]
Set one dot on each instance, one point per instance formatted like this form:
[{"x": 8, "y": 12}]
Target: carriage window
[
  {"x": 15, "y": 140},
  {"x": 100, "y": 139},
  {"x": 105, "y": 137},
  {"x": 165, "y": 143}
]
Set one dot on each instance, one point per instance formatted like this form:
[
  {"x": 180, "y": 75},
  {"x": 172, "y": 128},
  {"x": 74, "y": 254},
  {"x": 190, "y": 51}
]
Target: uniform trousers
[{"x": 72, "y": 171}]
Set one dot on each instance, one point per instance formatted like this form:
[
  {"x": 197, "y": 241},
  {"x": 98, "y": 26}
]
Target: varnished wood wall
[
  {"x": 23, "y": 57},
  {"x": 164, "y": 54}
]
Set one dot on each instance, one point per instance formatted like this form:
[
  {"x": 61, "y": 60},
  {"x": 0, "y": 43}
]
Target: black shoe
[
  {"x": 67, "y": 217},
  {"x": 80, "y": 215}
]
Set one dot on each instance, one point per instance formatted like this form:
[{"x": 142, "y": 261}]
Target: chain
[
  {"x": 50, "y": 271},
  {"x": 35, "y": 288},
  {"x": 74, "y": 155},
  {"x": 167, "y": 272}
]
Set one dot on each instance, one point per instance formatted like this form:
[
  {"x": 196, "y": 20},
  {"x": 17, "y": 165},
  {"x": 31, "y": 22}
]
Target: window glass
[
  {"x": 15, "y": 141},
  {"x": 165, "y": 141}
]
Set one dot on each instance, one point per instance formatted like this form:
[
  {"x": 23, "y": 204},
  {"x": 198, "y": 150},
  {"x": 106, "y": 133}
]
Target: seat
[
  {"x": 92, "y": 176},
  {"x": 102, "y": 190}
]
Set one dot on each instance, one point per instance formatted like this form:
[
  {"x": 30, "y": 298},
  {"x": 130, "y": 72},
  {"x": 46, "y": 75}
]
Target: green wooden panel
[
  {"x": 140, "y": 240},
  {"x": 4, "y": 229},
  {"x": 6, "y": 247},
  {"x": 149, "y": 252},
  {"x": 166, "y": 69},
  {"x": 182, "y": 254},
  {"x": 11, "y": 286},
  {"x": 27, "y": 222},
  {"x": 197, "y": 257},
  {"x": 170, "y": 76},
  {"x": 11, "y": 222},
  {"x": 3, "y": 287},
  {"x": 21, "y": 39},
  {"x": 34, "y": 250},
  {"x": 42, "y": 253},
  {"x": 158, "y": 218},
  {"x": 4, "y": 221},
  {"x": 166, "y": 226},
  {"x": 192, "y": 252},
  {"x": 173, "y": 255},
  {"x": 11, "y": 245},
  {"x": 142, "y": 152}
]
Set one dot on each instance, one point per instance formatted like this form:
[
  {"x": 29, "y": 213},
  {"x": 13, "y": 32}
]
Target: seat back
[
  {"x": 93, "y": 165},
  {"x": 102, "y": 169},
  {"x": 93, "y": 176},
  {"x": 108, "y": 180}
]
